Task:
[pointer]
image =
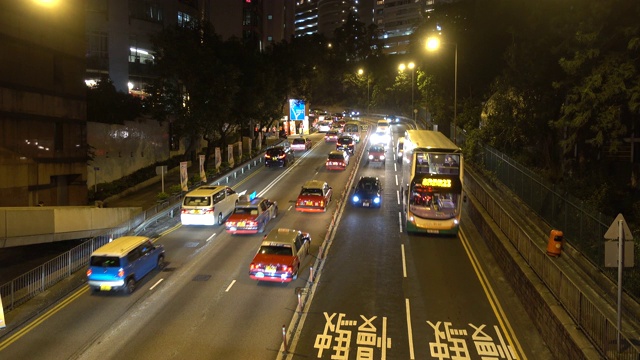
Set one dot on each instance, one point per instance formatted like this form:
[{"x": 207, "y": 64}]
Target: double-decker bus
[{"x": 432, "y": 173}]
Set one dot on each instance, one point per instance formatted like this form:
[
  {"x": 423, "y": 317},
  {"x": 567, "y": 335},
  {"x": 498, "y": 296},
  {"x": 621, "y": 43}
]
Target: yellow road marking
[
  {"x": 42, "y": 318},
  {"x": 493, "y": 299}
]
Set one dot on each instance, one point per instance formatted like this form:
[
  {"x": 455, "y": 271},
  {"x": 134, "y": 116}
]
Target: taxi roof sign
[{"x": 612, "y": 233}]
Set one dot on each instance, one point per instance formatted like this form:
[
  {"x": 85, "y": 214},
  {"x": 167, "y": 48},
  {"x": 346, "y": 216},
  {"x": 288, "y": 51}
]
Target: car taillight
[
  {"x": 282, "y": 156},
  {"x": 252, "y": 223},
  {"x": 252, "y": 266},
  {"x": 284, "y": 267},
  {"x": 89, "y": 272},
  {"x": 322, "y": 203},
  {"x": 121, "y": 273},
  {"x": 266, "y": 156}
]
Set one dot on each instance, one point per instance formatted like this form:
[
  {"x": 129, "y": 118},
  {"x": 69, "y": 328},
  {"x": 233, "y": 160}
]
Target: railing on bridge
[
  {"x": 25, "y": 287},
  {"x": 584, "y": 229}
]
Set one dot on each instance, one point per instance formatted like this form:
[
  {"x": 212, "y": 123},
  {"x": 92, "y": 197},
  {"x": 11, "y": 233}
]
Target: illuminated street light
[
  {"x": 433, "y": 43},
  {"x": 410, "y": 66},
  {"x": 360, "y": 72},
  {"x": 46, "y": 3}
]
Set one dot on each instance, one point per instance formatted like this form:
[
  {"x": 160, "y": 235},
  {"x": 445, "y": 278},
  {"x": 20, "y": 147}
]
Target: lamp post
[
  {"x": 433, "y": 43},
  {"x": 360, "y": 72},
  {"x": 410, "y": 66}
]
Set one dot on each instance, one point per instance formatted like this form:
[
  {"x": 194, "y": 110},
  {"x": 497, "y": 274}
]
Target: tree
[
  {"x": 197, "y": 83},
  {"x": 106, "y": 105}
]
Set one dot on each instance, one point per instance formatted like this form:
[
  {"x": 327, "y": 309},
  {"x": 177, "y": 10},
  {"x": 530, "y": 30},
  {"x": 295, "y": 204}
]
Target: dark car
[
  {"x": 368, "y": 192},
  {"x": 347, "y": 144},
  {"x": 278, "y": 156}
]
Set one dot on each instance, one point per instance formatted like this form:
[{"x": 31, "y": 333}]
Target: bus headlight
[{"x": 356, "y": 198}]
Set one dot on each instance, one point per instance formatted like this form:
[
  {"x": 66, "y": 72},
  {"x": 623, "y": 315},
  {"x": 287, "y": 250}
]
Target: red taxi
[
  {"x": 376, "y": 154},
  {"x": 337, "y": 160},
  {"x": 251, "y": 215},
  {"x": 280, "y": 255},
  {"x": 331, "y": 136},
  {"x": 314, "y": 197}
]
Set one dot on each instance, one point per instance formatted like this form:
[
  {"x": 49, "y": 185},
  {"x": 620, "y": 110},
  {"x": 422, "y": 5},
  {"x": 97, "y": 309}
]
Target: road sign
[{"x": 612, "y": 233}]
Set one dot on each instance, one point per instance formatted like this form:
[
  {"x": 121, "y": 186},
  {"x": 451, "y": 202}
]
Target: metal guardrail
[
  {"x": 591, "y": 319},
  {"x": 26, "y": 286}
]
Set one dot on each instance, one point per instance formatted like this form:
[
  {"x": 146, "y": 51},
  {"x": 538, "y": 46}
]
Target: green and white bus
[{"x": 432, "y": 178}]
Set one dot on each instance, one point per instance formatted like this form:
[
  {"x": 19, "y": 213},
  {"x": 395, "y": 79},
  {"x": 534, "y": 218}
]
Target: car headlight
[
  {"x": 370, "y": 157},
  {"x": 376, "y": 200},
  {"x": 356, "y": 198},
  {"x": 381, "y": 157}
]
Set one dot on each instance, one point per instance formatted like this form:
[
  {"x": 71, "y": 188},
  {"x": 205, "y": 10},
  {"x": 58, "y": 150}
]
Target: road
[{"x": 378, "y": 294}]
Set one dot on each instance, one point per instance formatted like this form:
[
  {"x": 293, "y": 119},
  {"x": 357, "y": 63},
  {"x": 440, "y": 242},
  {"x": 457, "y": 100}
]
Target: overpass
[{"x": 20, "y": 226}]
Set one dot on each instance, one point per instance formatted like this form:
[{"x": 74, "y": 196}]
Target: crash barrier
[
  {"x": 520, "y": 249},
  {"x": 26, "y": 286}
]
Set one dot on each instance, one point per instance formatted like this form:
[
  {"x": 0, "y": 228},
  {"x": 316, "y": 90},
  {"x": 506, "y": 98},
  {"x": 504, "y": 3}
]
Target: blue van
[{"x": 121, "y": 263}]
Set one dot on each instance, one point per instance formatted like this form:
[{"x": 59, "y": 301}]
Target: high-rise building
[
  {"x": 278, "y": 21},
  {"x": 306, "y": 17},
  {"x": 397, "y": 20},
  {"x": 43, "y": 147}
]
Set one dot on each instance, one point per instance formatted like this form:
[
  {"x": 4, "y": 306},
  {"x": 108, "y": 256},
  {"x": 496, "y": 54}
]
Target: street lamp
[
  {"x": 410, "y": 66},
  {"x": 433, "y": 43},
  {"x": 360, "y": 72}
]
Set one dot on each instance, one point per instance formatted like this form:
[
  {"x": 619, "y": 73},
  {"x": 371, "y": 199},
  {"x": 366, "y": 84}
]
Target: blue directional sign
[{"x": 296, "y": 109}]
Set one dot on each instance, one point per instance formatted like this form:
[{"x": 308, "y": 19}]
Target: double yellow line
[
  {"x": 18, "y": 334},
  {"x": 493, "y": 299}
]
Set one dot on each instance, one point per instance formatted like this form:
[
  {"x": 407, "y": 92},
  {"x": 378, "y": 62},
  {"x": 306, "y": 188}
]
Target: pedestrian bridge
[{"x": 20, "y": 226}]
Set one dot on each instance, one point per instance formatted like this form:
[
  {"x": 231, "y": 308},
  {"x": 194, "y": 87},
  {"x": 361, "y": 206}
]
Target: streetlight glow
[
  {"x": 360, "y": 73},
  {"x": 47, "y": 3},
  {"x": 433, "y": 43}
]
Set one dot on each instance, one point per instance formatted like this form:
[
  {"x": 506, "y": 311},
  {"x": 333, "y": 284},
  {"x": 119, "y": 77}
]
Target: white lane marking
[
  {"x": 400, "y": 221},
  {"x": 411, "y": 356},
  {"x": 210, "y": 237},
  {"x": 156, "y": 284},
  {"x": 398, "y": 196},
  {"x": 396, "y": 179},
  {"x": 230, "y": 285},
  {"x": 404, "y": 262}
]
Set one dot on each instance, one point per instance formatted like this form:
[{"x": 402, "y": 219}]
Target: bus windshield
[
  {"x": 432, "y": 202},
  {"x": 437, "y": 163}
]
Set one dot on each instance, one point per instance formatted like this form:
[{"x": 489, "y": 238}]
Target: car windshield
[
  {"x": 105, "y": 261},
  {"x": 376, "y": 149},
  {"x": 276, "y": 250},
  {"x": 345, "y": 141},
  {"x": 197, "y": 201},
  {"x": 299, "y": 141},
  {"x": 247, "y": 210},
  {"x": 367, "y": 186},
  {"x": 274, "y": 152},
  {"x": 336, "y": 157},
  {"x": 314, "y": 192}
]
